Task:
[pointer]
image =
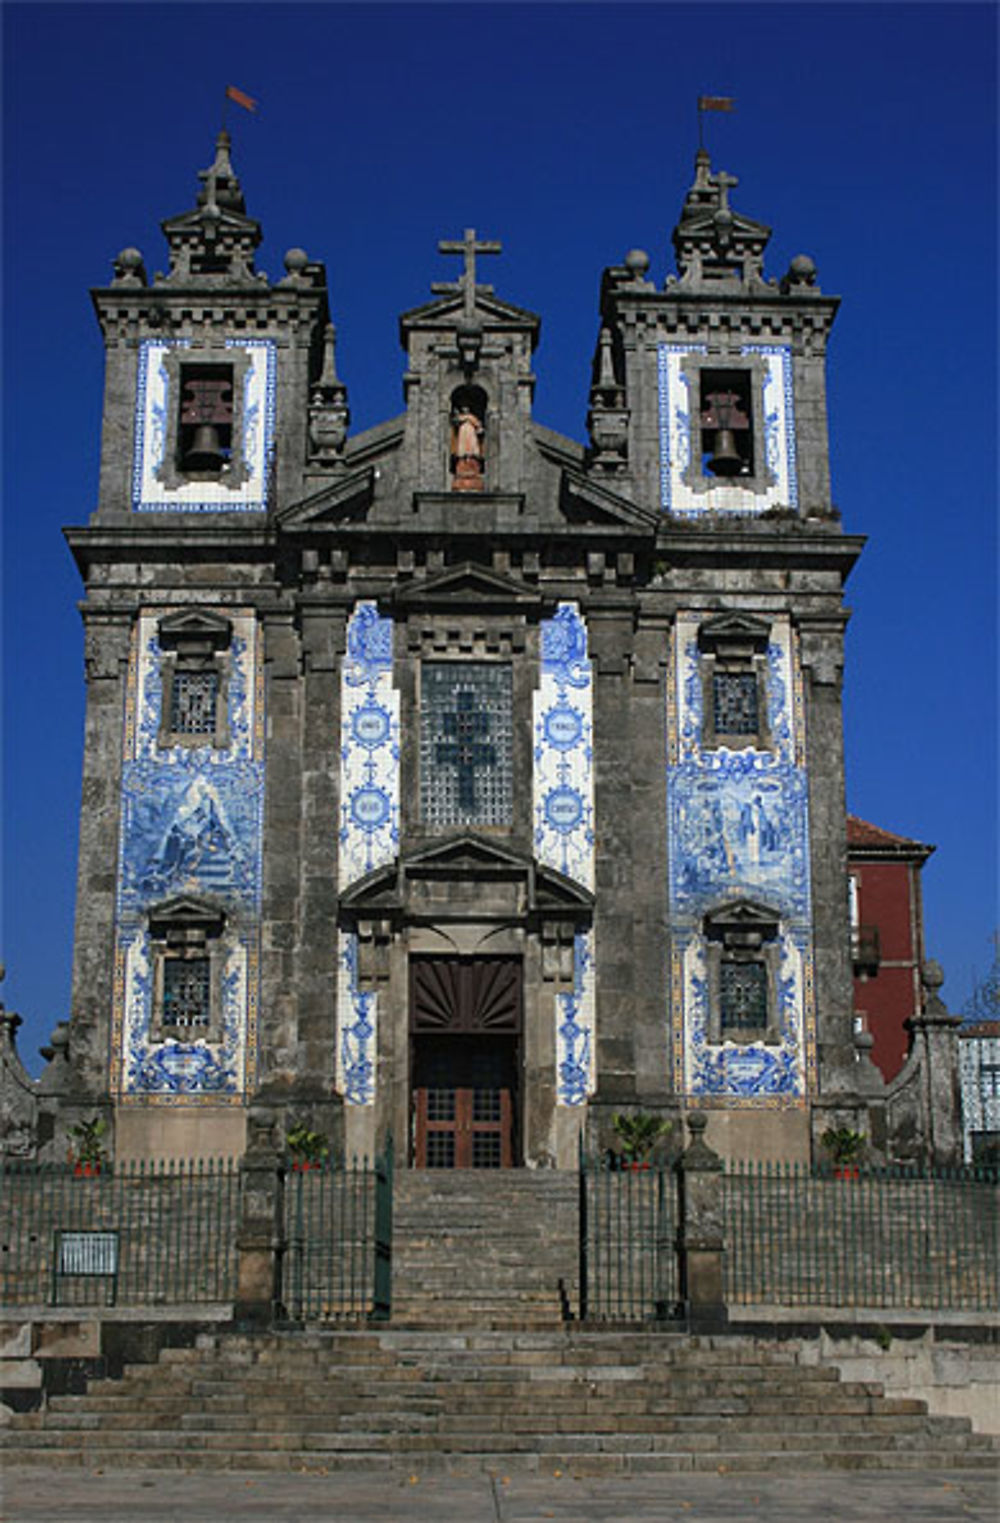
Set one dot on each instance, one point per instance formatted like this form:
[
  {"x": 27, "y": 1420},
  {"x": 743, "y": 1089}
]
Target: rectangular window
[
  {"x": 466, "y": 744},
  {"x": 734, "y": 697},
  {"x": 194, "y": 702},
  {"x": 186, "y": 992},
  {"x": 742, "y": 996},
  {"x": 989, "y": 1081}
]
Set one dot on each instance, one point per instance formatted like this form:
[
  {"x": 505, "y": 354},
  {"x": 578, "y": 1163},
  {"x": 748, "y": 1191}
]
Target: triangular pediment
[
  {"x": 468, "y": 585},
  {"x": 741, "y": 914},
  {"x": 346, "y": 496},
  {"x": 470, "y": 859},
  {"x": 466, "y": 853},
  {"x": 194, "y": 624},
  {"x": 703, "y": 224},
  {"x": 446, "y": 312},
  {"x": 583, "y": 501},
  {"x": 188, "y": 913},
  {"x": 734, "y": 629}
]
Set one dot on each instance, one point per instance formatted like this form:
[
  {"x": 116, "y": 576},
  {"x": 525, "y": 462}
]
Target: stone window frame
[
  {"x": 178, "y": 358},
  {"x": 742, "y": 932},
  {"x": 187, "y": 930},
  {"x": 692, "y": 368},
  {"x": 193, "y": 640},
  {"x": 736, "y": 643}
]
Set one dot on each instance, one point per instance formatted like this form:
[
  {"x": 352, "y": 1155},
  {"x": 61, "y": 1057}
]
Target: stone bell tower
[
  {"x": 219, "y": 389},
  {"x": 709, "y": 407}
]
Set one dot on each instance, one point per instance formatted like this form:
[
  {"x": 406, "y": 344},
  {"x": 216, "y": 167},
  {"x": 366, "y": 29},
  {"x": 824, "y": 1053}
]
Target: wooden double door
[{"x": 465, "y": 1025}]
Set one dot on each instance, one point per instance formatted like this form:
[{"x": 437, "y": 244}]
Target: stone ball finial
[
  {"x": 932, "y": 975},
  {"x": 802, "y": 270},
  {"x": 697, "y": 1122},
  {"x": 129, "y": 268},
  {"x": 637, "y": 263},
  {"x": 296, "y": 261}
]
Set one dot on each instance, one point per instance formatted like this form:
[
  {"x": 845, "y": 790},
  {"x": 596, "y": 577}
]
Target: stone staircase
[
  {"x": 573, "y": 1400},
  {"x": 485, "y": 1249}
]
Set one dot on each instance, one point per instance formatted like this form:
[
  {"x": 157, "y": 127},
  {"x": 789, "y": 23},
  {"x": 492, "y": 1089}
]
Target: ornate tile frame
[{"x": 191, "y": 824}]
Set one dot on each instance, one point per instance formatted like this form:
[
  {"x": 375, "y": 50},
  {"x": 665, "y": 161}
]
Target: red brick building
[{"x": 887, "y": 934}]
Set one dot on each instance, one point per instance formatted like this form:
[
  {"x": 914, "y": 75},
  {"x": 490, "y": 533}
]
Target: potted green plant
[
  {"x": 308, "y": 1149},
  {"x": 846, "y": 1148},
  {"x": 638, "y": 1134},
  {"x": 87, "y": 1152}
]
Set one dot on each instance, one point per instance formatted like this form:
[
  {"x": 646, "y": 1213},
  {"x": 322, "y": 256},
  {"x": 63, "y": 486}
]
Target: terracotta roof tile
[{"x": 861, "y": 833}]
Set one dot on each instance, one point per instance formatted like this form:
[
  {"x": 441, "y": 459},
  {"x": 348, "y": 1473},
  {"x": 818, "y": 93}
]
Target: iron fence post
[{"x": 382, "y": 1297}]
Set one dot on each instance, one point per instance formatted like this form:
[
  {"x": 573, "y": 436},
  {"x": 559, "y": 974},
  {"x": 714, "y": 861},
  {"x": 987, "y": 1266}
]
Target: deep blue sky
[{"x": 865, "y": 134}]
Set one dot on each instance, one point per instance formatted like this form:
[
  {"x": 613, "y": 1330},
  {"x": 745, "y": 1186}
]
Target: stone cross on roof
[{"x": 466, "y": 284}]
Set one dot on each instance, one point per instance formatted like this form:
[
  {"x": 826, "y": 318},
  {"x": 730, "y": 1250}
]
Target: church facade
[{"x": 450, "y": 778}]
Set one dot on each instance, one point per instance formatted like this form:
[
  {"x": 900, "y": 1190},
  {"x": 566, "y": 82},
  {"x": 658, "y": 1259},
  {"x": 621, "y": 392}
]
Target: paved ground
[{"x": 142, "y": 1497}]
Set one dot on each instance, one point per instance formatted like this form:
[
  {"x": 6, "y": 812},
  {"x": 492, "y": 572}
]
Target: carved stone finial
[
  {"x": 607, "y": 419},
  {"x": 329, "y": 414}
]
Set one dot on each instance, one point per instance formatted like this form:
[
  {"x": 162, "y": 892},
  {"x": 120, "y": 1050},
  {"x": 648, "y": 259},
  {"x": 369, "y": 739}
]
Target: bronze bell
[
  {"x": 726, "y": 459},
  {"x": 205, "y": 452}
]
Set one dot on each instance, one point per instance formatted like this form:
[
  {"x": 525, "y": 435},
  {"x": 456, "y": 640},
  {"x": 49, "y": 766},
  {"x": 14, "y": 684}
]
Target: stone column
[
  {"x": 700, "y": 1236},
  {"x": 935, "y": 1035},
  {"x": 823, "y": 662},
  {"x": 260, "y": 1238}
]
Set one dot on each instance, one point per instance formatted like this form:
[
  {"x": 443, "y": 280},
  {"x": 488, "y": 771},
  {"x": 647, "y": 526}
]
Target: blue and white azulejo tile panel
[
  {"x": 678, "y": 430},
  {"x": 738, "y": 829},
  {"x": 369, "y": 747},
  {"x": 563, "y": 783},
  {"x": 357, "y": 1033},
  {"x": 575, "y": 1068},
  {"x": 191, "y": 827},
  {"x": 156, "y": 401}
]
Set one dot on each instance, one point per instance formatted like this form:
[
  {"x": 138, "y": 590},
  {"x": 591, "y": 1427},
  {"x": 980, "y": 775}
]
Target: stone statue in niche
[{"x": 467, "y": 452}]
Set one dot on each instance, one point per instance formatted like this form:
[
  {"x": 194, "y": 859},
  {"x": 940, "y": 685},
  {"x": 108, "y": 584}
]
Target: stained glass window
[
  {"x": 743, "y": 996},
  {"x": 194, "y": 697},
  {"x": 186, "y": 986},
  {"x": 466, "y": 744},
  {"x": 734, "y": 696}
]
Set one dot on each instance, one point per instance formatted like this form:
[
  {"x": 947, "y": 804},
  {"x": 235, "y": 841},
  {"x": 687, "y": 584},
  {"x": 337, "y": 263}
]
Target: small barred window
[
  {"x": 466, "y": 744},
  {"x": 734, "y": 696},
  {"x": 194, "y": 701},
  {"x": 742, "y": 995},
  {"x": 186, "y": 992}
]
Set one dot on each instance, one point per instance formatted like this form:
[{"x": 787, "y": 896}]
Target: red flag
[
  {"x": 716, "y": 103},
  {"x": 246, "y": 101}
]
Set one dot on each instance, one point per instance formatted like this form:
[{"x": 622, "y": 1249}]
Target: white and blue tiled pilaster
[
  {"x": 677, "y": 496},
  {"x": 738, "y": 828},
  {"x": 154, "y": 403},
  {"x": 563, "y": 798},
  {"x": 575, "y": 1028},
  {"x": 357, "y": 1031},
  {"x": 369, "y": 824},
  {"x": 191, "y": 825},
  {"x": 563, "y": 792}
]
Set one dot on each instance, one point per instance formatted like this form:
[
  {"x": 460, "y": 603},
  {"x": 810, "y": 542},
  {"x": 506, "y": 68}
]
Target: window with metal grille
[
  {"x": 194, "y": 701},
  {"x": 440, "y": 1105},
  {"x": 466, "y": 744},
  {"x": 486, "y": 1105},
  {"x": 989, "y": 1081},
  {"x": 742, "y": 995},
  {"x": 486, "y": 1151},
  {"x": 440, "y": 1150},
  {"x": 186, "y": 992},
  {"x": 734, "y": 699}
]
